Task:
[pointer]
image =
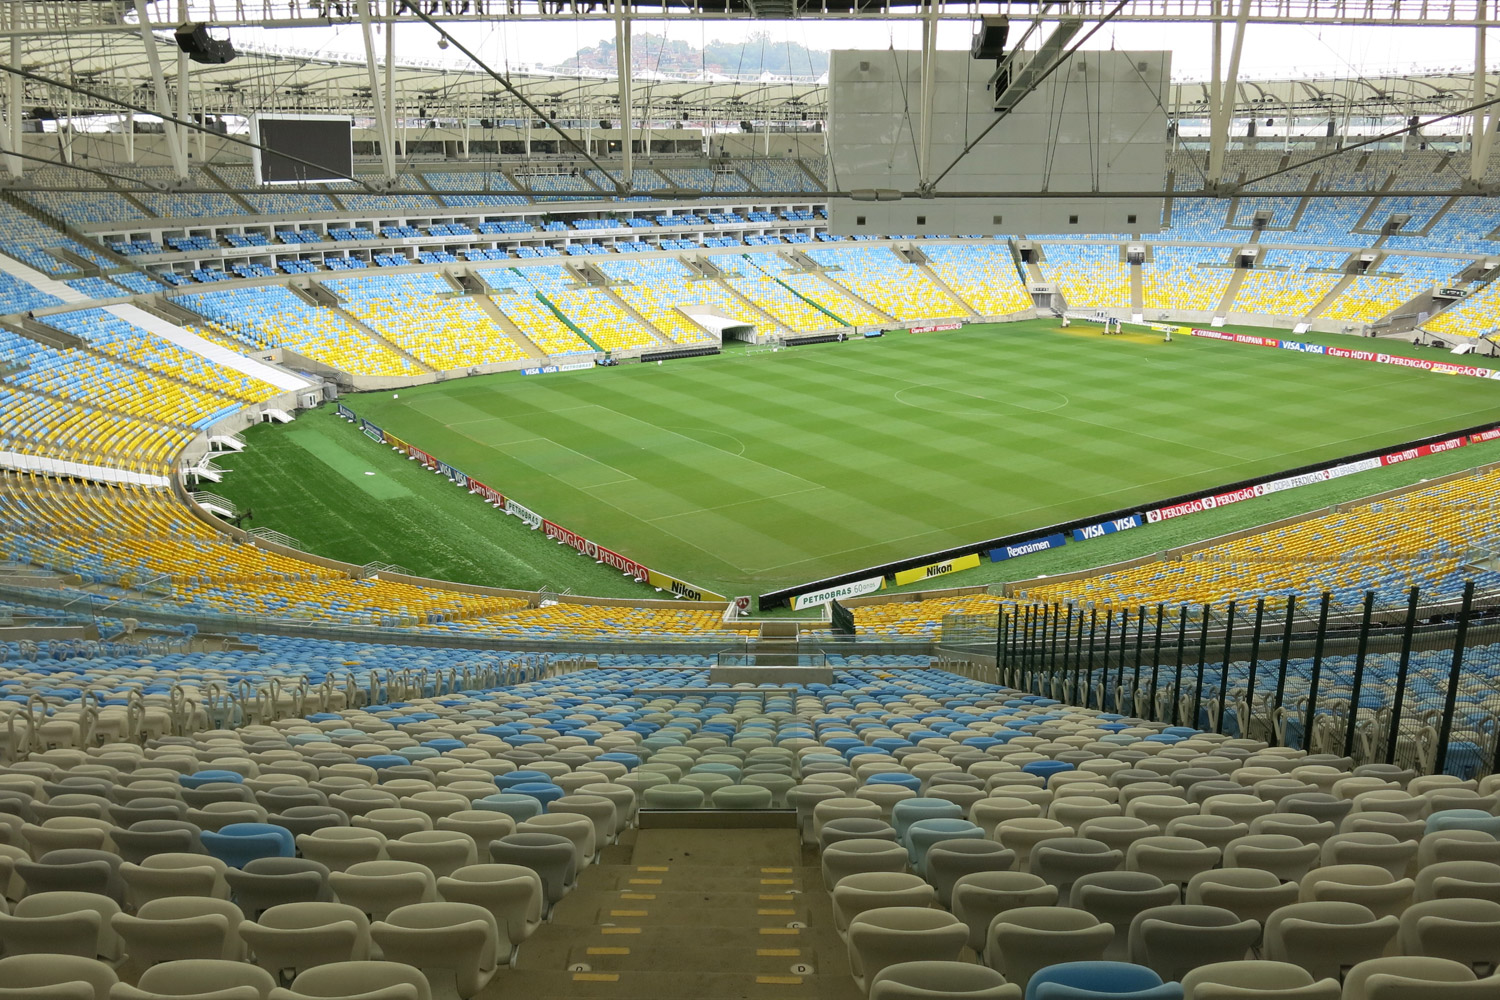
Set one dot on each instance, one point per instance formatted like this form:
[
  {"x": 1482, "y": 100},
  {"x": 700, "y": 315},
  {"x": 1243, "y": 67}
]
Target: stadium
[{"x": 747, "y": 499}]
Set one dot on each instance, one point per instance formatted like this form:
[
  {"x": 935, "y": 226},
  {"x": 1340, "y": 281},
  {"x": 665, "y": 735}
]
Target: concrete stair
[{"x": 684, "y": 914}]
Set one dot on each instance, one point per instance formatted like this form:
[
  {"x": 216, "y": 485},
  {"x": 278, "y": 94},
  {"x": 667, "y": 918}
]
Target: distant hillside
[{"x": 652, "y": 53}]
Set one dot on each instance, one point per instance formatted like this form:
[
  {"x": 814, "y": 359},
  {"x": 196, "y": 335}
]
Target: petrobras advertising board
[
  {"x": 1027, "y": 547},
  {"x": 550, "y": 369},
  {"x": 1103, "y": 528},
  {"x": 531, "y": 518},
  {"x": 937, "y": 569},
  {"x": 858, "y": 588}
]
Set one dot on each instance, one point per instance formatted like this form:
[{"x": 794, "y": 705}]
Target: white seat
[
  {"x": 1022, "y": 940},
  {"x": 513, "y": 895},
  {"x": 1172, "y": 859},
  {"x": 163, "y": 875},
  {"x": 1417, "y": 978},
  {"x": 338, "y": 847},
  {"x": 1327, "y": 938},
  {"x": 1461, "y": 930},
  {"x": 849, "y": 857},
  {"x": 895, "y": 934},
  {"x": 1250, "y": 893},
  {"x": 1367, "y": 885},
  {"x": 459, "y": 940},
  {"x": 863, "y": 891},
  {"x": 292, "y": 937},
  {"x": 938, "y": 980},
  {"x": 181, "y": 927},
  {"x": 978, "y": 897},
  {"x": 62, "y": 923},
  {"x": 54, "y": 977},
  {"x": 1256, "y": 980},
  {"x": 198, "y": 979},
  {"x": 441, "y": 851},
  {"x": 378, "y": 887},
  {"x": 1174, "y": 940},
  {"x": 358, "y": 981}
]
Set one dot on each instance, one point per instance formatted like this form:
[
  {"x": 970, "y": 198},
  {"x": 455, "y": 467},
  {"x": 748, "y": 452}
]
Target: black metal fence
[{"x": 1406, "y": 681}]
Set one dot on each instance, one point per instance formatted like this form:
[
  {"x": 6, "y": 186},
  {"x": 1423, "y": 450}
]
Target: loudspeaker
[
  {"x": 989, "y": 40},
  {"x": 194, "y": 39}
]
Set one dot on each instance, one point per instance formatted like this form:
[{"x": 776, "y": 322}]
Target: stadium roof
[{"x": 111, "y": 70}]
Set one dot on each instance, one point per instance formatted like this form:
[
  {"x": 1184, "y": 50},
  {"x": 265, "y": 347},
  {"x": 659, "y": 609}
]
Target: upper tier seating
[
  {"x": 490, "y": 180},
  {"x": 421, "y": 314},
  {"x": 1282, "y": 283},
  {"x": 1183, "y": 278},
  {"x": 877, "y": 275},
  {"x": 1089, "y": 277},
  {"x": 660, "y": 290},
  {"x": 275, "y": 317},
  {"x": 983, "y": 274}
]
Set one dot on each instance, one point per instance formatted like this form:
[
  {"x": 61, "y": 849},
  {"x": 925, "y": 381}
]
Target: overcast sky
[{"x": 1270, "y": 50}]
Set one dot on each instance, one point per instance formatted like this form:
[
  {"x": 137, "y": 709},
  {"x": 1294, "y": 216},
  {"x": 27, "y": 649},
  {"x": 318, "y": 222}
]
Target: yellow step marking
[
  {"x": 607, "y": 951},
  {"x": 775, "y": 897},
  {"x": 778, "y": 952},
  {"x": 779, "y": 980},
  {"x": 645, "y": 881},
  {"x": 776, "y": 871},
  {"x": 781, "y": 930},
  {"x": 628, "y": 913},
  {"x": 619, "y": 930},
  {"x": 650, "y": 868},
  {"x": 776, "y": 881},
  {"x": 637, "y": 895},
  {"x": 596, "y": 977},
  {"x": 775, "y": 913}
]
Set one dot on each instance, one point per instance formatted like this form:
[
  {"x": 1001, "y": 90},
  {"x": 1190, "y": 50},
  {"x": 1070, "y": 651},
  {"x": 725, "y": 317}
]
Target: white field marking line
[
  {"x": 712, "y": 430},
  {"x": 734, "y": 503}
]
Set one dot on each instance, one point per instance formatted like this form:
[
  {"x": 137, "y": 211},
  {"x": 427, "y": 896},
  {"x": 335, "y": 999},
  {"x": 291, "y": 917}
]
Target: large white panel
[{"x": 1096, "y": 126}]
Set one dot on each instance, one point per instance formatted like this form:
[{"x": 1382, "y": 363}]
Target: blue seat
[
  {"x": 925, "y": 832},
  {"x": 544, "y": 792},
  {"x": 896, "y": 778},
  {"x": 238, "y": 844},
  {"x": 517, "y": 807},
  {"x": 909, "y": 811},
  {"x": 1099, "y": 981},
  {"x": 1464, "y": 819},
  {"x": 201, "y": 778},
  {"x": 505, "y": 782}
]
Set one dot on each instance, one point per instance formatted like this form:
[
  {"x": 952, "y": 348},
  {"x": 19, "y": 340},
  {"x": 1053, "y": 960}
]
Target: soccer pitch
[{"x": 749, "y": 473}]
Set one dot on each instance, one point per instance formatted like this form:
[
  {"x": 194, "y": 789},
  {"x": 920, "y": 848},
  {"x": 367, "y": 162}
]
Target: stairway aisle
[{"x": 689, "y": 915}]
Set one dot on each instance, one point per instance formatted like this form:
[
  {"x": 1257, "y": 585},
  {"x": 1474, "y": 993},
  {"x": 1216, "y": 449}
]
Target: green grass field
[{"x": 749, "y": 473}]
